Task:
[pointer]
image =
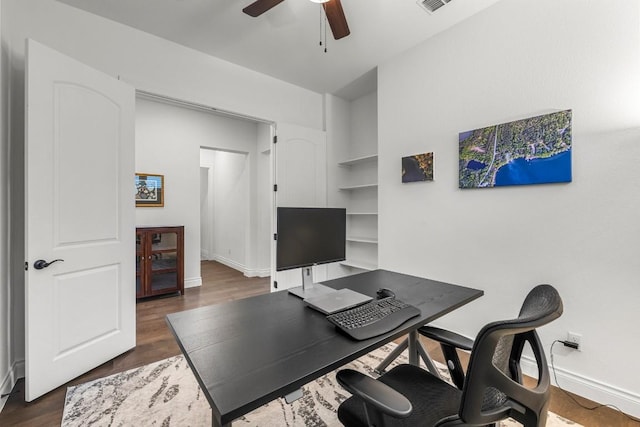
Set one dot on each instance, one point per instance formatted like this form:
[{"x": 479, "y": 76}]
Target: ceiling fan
[{"x": 332, "y": 8}]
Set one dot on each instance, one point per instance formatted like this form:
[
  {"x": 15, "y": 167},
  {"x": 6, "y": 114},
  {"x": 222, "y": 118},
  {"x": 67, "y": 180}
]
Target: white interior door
[
  {"x": 301, "y": 176},
  {"x": 80, "y": 311}
]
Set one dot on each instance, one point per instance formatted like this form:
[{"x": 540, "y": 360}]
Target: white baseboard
[
  {"x": 591, "y": 389},
  {"x": 229, "y": 263},
  {"x": 5, "y": 387},
  {"x": 242, "y": 268},
  {"x": 18, "y": 369},
  {"x": 258, "y": 273},
  {"x": 10, "y": 379},
  {"x": 193, "y": 282}
]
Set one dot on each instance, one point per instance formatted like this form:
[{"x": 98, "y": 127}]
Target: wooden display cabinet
[{"x": 159, "y": 261}]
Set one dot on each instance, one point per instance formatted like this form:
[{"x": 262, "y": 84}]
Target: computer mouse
[{"x": 385, "y": 293}]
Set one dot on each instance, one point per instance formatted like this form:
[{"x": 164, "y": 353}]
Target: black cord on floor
[{"x": 589, "y": 408}]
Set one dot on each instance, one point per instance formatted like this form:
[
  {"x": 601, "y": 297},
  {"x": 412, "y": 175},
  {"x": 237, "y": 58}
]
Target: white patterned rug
[{"x": 165, "y": 394}]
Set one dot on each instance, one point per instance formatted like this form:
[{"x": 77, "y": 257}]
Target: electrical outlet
[{"x": 576, "y": 339}]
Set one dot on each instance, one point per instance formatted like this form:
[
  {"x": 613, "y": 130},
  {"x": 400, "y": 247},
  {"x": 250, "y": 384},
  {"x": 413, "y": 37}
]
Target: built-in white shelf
[
  {"x": 358, "y": 160},
  {"x": 362, "y": 265},
  {"x": 358, "y": 187},
  {"x": 362, "y": 239}
]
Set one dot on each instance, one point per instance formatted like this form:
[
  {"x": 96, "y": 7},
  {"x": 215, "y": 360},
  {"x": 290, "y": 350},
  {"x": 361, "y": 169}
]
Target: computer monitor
[{"x": 308, "y": 237}]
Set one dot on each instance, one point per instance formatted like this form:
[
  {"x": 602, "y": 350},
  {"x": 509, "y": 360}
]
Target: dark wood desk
[{"x": 248, "y": 352}]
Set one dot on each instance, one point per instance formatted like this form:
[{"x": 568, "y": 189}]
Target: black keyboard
[{"x": 373, "y": 318}]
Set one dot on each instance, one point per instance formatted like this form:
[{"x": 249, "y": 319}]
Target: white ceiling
[{"x": 284, "y": 42}]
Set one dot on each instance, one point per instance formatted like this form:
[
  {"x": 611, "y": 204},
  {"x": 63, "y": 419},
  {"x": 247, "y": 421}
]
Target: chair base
[{"x": 412, "y": 342}]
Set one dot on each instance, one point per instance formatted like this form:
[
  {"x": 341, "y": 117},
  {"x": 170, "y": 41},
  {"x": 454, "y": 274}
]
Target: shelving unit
[
  {"x": 159, "y": 261},
  {"x": 362, "y": 212},
  {"x": 358, "y": 187},
  {"x": 362, "y": 239},
  {"x": 359, "y": 160},
  {"x": 359, "y": 265}
]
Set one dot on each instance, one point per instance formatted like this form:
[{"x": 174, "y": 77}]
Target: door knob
[{"x": 40, "y": 264}]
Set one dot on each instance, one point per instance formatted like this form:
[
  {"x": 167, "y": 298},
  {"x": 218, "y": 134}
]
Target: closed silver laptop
[{"x": 332, "y": 302}]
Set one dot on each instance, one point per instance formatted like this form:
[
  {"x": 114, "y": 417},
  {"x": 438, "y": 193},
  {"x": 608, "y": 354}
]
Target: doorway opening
[
  {"x": 225, "y": 208},
  {"x": 217, "y": 171}
]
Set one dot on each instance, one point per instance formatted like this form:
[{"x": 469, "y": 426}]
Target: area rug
[{"x": 165, "y": 394}]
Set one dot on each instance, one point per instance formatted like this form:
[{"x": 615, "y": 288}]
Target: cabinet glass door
[
  {"x": 140, "y": 243},
  {"x": 159, "y": 263},
  {"x": 164, "y": 261}
]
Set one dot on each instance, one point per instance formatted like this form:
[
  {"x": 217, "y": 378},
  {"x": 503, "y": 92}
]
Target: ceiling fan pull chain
[
  {"x": 325, "y": 31},
  {"x": 320, "y": 8}
]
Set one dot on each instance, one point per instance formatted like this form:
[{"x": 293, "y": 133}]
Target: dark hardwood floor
[{"x": 155, "y": 342}]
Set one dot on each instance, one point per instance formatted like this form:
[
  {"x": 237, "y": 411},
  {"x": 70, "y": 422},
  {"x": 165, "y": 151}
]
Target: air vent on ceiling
[{"x": 432, "y": 5}]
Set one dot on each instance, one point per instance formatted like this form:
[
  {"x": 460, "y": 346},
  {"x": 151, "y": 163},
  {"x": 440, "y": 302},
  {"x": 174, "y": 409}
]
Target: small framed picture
[
  {"x": 418, "y": 167},
  {"x": 149, "y": 190}
]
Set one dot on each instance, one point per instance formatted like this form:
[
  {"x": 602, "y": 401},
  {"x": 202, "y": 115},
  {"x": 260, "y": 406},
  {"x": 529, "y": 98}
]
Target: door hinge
[
  {"x": 275, "y": 139},
  {"x": 275, "y": 236},
  {"x": 26, "y": 266},
  {"x": 275, "y": 187},
  {"x": 275, "y": 284}
]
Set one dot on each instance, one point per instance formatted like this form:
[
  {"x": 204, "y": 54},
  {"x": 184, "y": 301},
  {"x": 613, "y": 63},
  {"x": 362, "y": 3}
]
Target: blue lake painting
[
  {"x": 536, "y": 150},
  {"x": 537, "y": 171}
]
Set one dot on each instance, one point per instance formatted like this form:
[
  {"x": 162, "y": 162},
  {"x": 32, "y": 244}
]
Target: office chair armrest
[
  {"x": 449, "y": 342},
  {"x": 447, "y": 337},
  {"x": 375, "y": 393}
]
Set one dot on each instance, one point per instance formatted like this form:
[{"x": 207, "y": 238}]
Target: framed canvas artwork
[
  {"x": 149, "y": 190},
  {"x": 536, "y": 150},
  {"x": 418, "y": 167}
]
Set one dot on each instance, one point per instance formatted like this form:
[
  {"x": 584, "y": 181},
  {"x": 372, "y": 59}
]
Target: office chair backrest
[{"x": 493, "y": 386}]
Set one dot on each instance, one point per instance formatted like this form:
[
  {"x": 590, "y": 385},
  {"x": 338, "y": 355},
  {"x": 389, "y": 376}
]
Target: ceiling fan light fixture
[
  {"x": 332, "y": 10},
  {"x": 431, "y": 6}
]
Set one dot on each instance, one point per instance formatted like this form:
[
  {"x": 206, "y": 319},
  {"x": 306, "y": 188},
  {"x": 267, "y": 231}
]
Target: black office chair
[
  {"x": 491, "y": 391},
  {"x": 449, "y": 343}
]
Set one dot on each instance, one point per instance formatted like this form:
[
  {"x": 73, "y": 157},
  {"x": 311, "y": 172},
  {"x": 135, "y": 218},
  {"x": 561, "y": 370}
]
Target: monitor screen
[{"x": 310, "y": 236}]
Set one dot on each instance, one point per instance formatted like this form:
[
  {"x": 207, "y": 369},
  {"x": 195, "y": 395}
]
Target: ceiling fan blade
[
  {"x": 259, "y": 7},
  {"x": 336, "y": 18}
]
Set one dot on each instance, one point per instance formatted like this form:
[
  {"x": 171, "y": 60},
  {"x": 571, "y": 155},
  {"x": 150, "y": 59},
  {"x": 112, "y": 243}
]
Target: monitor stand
[{"x": 308, "y": 288}]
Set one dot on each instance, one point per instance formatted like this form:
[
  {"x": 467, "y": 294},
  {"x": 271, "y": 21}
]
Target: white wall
[
  {"x": 5, "y": 314},
  {"x": 168, "y": 142},
  {"x": 156, "y": 65},
  {"x": 234, "y": 227},
  {"x": 338, "y": 147},
  {"x": 148, "y": 63},
  {"x": 231, "y": 207},
  {"x": 517, "y": 59},
  {"x": 364, "y": 129}
]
